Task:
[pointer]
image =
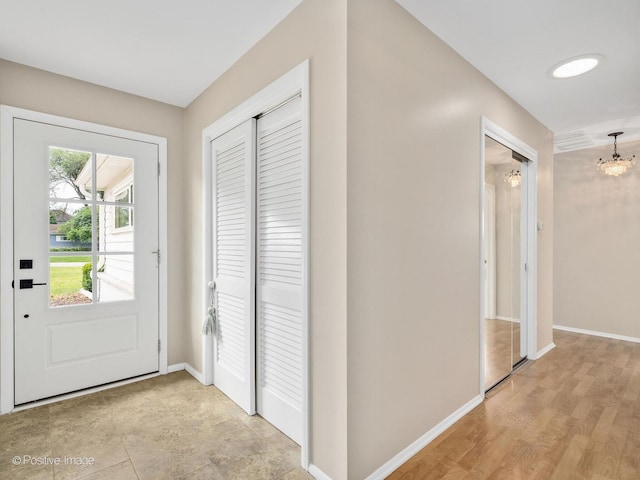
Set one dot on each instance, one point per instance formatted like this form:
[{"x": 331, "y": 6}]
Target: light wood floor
[{"x": 573, "y": 414}]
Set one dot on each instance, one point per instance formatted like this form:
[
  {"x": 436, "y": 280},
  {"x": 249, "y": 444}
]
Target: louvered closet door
[
  {"x": 279, "y": 265},
  {"x": 233, "y": 156}
]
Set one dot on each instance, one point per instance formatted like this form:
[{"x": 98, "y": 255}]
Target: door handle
[{"x": 28, "y": 283}]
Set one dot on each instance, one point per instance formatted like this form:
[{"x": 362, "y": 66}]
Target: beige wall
[
  {"x": 315, "y": 30},
  {"x": 395, "y": 279},
  {"x": 413, "y": 194},
  {"x": 32, "y": 89},
  {"x": 596, "y": 238}
]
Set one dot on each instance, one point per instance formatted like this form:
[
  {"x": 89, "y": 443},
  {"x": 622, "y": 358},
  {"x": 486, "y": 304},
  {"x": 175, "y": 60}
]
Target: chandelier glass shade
[
  {"x": 513, "y": 178},
  {"x": 617, "y": 164}
]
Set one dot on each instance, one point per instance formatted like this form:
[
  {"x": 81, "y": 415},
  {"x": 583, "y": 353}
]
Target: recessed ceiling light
[{"x": 576, "y": 66}]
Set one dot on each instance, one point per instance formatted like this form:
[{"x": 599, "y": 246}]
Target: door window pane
[
  {"x": 115, "y": 181},
  {"x": 115, "y": 278},
  {"x": 115, "y": 228},
  {"x": 123, "y": 215},
  {"x": 114, "y": 178},
  {"x": 69, "y": 174},
  {"x": 70, "y": 226},
  {"x": 70, "y": 280}
]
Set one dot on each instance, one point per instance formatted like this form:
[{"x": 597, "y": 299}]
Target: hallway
[{"x": 573, "y": 414}]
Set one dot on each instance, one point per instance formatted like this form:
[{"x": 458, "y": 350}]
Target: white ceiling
[
  {"x": 167, "y": 50},
  {"x": 172, "y": 50},
  {"x": 516, "y": 42}
]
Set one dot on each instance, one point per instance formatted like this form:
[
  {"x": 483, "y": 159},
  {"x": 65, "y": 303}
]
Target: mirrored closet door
[{"x": 504, "y": 245}]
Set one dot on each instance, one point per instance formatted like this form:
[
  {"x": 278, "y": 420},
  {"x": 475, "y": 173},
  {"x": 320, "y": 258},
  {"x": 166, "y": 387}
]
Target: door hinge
[
  {"x": 159, "y": 345},
  {"x": 526, "y": 267},
  {"x": 158, "y": 168}
]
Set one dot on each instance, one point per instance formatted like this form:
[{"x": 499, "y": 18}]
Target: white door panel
[
  {"x": 233, "y": 167},
  {"x": 280, "y": 268},
  {"x": 70, "y": 341}
]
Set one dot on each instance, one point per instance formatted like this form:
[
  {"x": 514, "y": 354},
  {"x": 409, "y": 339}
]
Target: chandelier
[
  {"x": 616, "y": 165},
  {"x": 514, "y": 178}
]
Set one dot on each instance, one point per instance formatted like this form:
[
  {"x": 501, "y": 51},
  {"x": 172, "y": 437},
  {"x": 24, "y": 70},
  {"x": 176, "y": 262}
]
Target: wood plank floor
[{"x": 573, "y": 414}]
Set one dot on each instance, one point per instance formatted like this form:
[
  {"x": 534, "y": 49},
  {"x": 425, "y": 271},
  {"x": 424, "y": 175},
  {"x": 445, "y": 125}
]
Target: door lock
[
  {"x": 26, "y": 264},
  {"x": 28, "y": 283}
]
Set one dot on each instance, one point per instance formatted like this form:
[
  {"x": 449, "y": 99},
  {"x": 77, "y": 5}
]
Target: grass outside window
[
  {"x": 83, "y": 259},
  {"x": 65, "y": 282}
]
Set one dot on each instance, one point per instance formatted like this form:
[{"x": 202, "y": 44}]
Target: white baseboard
[
  {"x": 176, "y": 367},
  {"x": 545, "y": 350},
  {"x": 402, "y": 457},
  {"x": 613, "y": 336},
  {"x": 194, "y": 373},
  {"x": 507, "y": 319},
  {"x": 318, "y": 474}
]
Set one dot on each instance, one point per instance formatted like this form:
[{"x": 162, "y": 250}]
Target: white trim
[
  {"x": 483, "y": 286},
  {"x": 305, "y": 451},
  {"x": 292, "y": 82},
  {"x": 528, "y": 278},
  {"x": 613, "y": 336},
  {"x": 315, "y": 472},
  {"x": 176, "y": 367},
  {"x": 84, "y": 392},
  {"x": 6, "y": 260},
  {"x": 281, "y": 89},
  {"x": 402, "y": 457},
  {"x": 194, "y": 373},
  {"x": 545, "y": 350},
  {"x": 163, "y": 247},
  {"x": 207, "y": 271},
  {"x": 7, "y": 114}
]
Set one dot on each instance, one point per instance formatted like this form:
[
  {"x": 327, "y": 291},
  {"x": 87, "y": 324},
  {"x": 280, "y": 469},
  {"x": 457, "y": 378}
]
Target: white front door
[{"x": 85, "y": 262}]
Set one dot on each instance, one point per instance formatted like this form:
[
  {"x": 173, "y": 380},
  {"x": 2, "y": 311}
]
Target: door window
[{"x": 91, "y": 237}]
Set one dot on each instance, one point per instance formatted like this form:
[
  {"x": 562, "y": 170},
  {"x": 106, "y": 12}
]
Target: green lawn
[
  {"x": 65, "y": 280},
  {"x": 69, "y": 259}
]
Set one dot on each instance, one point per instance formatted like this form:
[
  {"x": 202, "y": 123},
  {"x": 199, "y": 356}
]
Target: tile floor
[{"x": 167, "y": 427}]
